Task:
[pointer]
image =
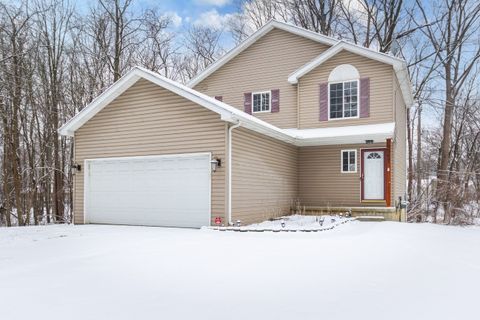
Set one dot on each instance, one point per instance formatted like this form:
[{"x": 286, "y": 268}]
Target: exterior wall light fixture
[
  {"x": 76, "y": 168},
  {"x": 216, "y": 163}
]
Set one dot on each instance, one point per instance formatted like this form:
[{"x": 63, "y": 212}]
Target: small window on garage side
[
  {"x": 349, "y": 161},
  {"x": 261, "y": 101}
]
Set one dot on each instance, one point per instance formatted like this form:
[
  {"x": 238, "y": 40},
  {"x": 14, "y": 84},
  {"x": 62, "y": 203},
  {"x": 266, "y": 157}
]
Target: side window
[
  {"x": 349, "y": 161},
  {"x": 261, "y": 101}
]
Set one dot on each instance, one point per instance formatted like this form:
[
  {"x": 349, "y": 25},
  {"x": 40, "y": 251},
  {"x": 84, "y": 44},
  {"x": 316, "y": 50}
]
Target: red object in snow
[{"x": 218, "y": 220}]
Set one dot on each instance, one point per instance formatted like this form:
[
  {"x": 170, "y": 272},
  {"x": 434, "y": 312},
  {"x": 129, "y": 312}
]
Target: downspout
[
  {"x": 298, "y": 105},
  {"x": 230, "y": 129}
]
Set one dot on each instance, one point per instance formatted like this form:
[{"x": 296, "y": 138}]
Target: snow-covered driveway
[{"x": 356, "y": 271}]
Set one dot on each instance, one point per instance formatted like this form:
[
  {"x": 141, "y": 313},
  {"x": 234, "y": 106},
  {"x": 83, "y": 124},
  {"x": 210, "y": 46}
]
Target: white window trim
[
  {"x": 269, "y": 104},
  {"x": 341, "y": 160},
  {"x": 358, "y": 100}
]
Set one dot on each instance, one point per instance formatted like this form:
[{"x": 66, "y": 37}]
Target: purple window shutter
[
  {"x": 323, "y": 93},
  {"x": 219, "y": 98},
  {"x": 275, "y": 100},
  {"x": 247, "y": 102},
  {"x": 364, "y": 97}
]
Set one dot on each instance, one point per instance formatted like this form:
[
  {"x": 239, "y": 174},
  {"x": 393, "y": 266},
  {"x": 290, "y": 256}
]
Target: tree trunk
[
  {"x": 118, "y": 39},
  {"x": 419, "y": 153},
  {"x": 410, "y": 155},
  {"x": 6, "y": 174},
  {"x": 443, "y": 186},
  {"x": 14, "y": 140}
]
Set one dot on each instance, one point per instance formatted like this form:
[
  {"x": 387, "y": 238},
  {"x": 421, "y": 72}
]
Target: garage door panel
[{"x": 163, "y": 191}]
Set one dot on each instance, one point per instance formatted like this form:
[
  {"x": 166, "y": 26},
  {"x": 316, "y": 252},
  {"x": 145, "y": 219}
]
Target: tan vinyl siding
[
  {"x": 265, "y": 65},
  {"x": 149, "y": 120},
  {"x": 264, "y": 174},
  {"x": 381, "y": 91},
  {"x": 321, "y": 182},
  {"x": 399, "y": 173}
]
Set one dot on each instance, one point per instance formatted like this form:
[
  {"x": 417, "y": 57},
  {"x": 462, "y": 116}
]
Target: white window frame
[
  {"x": 343, "y": 98},
  {"x": 341, "y": 160},
  {"x": 269, "y": 101}
]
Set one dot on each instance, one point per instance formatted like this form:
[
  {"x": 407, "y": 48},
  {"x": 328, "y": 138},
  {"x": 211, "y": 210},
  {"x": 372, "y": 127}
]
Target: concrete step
[
  {"x": 358, "y": 210},
  {"x": 370, "y": 213}
]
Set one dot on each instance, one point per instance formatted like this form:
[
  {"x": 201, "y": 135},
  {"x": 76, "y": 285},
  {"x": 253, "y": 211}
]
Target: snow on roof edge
[
  {"x": 365, "y": 129},
  {"x": 227, "y": 113}
]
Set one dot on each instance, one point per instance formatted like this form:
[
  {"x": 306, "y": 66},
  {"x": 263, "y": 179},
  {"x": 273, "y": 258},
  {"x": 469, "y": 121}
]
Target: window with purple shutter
[
  {"x": 323, "y": 101},
  {"x": 275, "y": 100},
  {"x": 247, "y": 102},
  {"x": 364, "y": 97},
  {"x": 219, "y": 98}
]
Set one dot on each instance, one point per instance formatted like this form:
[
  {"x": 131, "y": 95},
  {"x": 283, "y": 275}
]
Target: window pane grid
[
  {"x": 265, "y": 101},
  {"x": 336, "y": 100},
  {"x": 343, "y": 100},
  {"x": 256, "y": 103},
  {"x": 349, "y": 161},
  {"x": 261, "y": 102}
]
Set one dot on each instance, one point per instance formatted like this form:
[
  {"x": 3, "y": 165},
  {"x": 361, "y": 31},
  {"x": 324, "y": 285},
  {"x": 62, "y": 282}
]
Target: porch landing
[{"x": 388, "y": 213}]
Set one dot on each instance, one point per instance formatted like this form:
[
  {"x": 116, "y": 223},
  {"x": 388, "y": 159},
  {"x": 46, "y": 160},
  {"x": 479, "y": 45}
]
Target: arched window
[
  {"x": 374, "y": 155},
  {"x": 343, "y": 92}
]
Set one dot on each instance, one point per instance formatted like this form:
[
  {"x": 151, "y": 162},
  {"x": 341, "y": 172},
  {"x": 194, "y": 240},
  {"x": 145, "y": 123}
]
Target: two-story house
[{"x": 288, "y": 118}]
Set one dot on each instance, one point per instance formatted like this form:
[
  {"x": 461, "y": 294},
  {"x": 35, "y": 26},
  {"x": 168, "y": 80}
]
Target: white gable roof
[
  {"x": 321, "y": 136},
  {"x": 399, "y": 65},
  {"x": 266, "y": 28},
  {"x": 226, "y": 112}
]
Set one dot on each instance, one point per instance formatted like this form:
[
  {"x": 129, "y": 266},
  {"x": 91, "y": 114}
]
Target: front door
[{"x": 373, "y": 163}]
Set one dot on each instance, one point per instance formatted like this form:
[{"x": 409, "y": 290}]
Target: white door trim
[{"x": 362, "y": 150}]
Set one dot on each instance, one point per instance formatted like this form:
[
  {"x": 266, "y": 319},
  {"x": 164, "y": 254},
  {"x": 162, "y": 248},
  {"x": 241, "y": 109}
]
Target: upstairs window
[
  {"x": 343, "y": 100},
  {"x": 261, "y": 101},
  {"x": 349, "y": 161}
]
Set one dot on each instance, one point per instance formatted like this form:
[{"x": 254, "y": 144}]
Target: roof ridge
[
  {"x": 287, "y": 27},
  {"x": 348, "y": 42}
]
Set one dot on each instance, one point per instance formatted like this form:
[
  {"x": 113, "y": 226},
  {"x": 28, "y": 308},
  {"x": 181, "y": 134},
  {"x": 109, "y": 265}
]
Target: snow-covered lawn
[{"x": 358, "y": 270}]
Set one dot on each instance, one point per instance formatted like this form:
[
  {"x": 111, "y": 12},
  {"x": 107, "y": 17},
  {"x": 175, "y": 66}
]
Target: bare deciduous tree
[
  {"x": 453, "y": 36},
  {"x": 316, "y": 15}
]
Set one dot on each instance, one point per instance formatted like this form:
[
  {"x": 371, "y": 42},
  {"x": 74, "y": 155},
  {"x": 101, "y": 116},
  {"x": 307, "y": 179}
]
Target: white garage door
[{"x": 172, "y": 190}]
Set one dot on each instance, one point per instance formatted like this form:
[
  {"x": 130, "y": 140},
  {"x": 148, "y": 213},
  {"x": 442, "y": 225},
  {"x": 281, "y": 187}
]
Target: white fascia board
[
  {"x": 293, "y": 78},
  {"x": 68, "y": 129},
  {"x": 253, "y": 38},
  {"x": 403, "y": 78},
  {"x": 372, "y": 54},
  {"x": 226, "y": 112},
  {"x": 252, "y": 123},
  {"x": 342, "y": 135},
  {"x": 229, "y": 55},
  {"x": 368, "y": 53},
  {"x": 353, "y": 139},
  {"x": 399, "y": 66},
  {"x": 312, "y": 35}
]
